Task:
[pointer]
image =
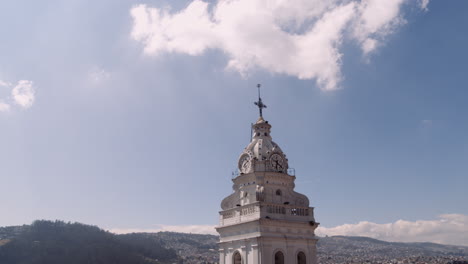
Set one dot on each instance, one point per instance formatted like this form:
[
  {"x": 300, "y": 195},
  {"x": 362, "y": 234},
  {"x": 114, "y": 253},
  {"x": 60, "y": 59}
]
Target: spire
[
  {"x": 262, "y": 154},
  {"x": 260, "y": 103}
]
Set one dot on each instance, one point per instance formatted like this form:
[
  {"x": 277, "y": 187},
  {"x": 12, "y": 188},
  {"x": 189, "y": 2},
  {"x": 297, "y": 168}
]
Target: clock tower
[{"x": 264, "y": 221}]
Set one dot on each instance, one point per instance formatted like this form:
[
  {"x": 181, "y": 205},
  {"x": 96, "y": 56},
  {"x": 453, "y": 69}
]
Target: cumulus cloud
[
  {"x": 447, "y": 229},
  {"x": 98, "y": 74},
  {"x": 4, "y": 107},
  {"x": 195, "y": 229},
  {"x": 427, "y": 122},
  {"x": 424, "y": 4},
  {"x": 301, "y": 38},
  {"x": 23, "y": 93},
  {"x": 376, "y": 20},
  {"x": 4, "y": 84}
]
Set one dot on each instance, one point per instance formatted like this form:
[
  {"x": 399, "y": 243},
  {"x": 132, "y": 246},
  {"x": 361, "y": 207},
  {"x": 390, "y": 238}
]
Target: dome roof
[{"x": 262, "y": 154}]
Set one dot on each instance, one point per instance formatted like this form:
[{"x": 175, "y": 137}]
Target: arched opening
[
  {"x": 278, "y": 192},
  {"x": 237, "y": 259},
  {"x": 279, "y": 258},
  {"x": 301, "y": 258}
]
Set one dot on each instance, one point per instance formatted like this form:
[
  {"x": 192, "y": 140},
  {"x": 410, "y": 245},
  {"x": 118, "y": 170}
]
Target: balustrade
[
  {"x": 275, "y": 211},
  {"x": 240, "y": 214},
  {"x": 287, "y": 209}
]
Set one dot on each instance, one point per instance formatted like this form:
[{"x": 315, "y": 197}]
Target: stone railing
[
  {"x": 270, "y": 211},
  {"x": 235, "y": 173},
  {"x": 288, "y": 212},
  {"x": 240, "y": 214}
]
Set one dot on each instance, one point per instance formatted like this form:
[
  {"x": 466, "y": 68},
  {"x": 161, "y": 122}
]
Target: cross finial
[{"x": 260, "y": 103}]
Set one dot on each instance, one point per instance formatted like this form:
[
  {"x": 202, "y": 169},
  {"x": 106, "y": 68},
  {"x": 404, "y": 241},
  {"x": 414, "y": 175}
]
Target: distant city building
[{"x": 265, "y": 220}]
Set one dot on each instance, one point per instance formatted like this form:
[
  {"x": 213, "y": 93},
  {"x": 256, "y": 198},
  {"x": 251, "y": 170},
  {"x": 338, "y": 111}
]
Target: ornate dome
[{"x": 262, "y": 154}]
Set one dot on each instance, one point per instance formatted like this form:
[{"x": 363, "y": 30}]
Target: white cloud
[
  {"x": 376, "y": 20},
  {"x": 426, "y": 122},
  {"x": 424, "y": 4},
  {"x": 301, "y": 38},
  {"x": 4, "y": 84},
  {"x": 23, "y": 93},
  {"x": 369, "y": 45},
  {"x": 447, "y": 229},
  {"x": 4, "y": 107},
  {"x": 195, "y": 229},
  {"x": 98, "y": 74}
]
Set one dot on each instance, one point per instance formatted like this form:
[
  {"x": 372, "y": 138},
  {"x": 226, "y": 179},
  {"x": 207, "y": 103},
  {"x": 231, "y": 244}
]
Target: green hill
[{"x": 47, "y": 242}]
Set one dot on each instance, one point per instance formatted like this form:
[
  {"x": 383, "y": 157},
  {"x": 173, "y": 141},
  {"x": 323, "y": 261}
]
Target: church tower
[{"x": 264, "y": 221}]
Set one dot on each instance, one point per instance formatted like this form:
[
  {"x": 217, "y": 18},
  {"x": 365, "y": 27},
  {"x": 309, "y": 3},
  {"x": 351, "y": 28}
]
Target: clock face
[
  {"x": 277, "y": 162},
  {"x": 245, "y": 163}
]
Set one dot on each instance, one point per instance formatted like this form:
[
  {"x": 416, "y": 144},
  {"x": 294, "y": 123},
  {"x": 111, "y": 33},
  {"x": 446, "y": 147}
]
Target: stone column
[
  {"x": 229, "y": 255},
  {"x": 255, "y": 254},
  {"x": 266, "y": 254},
  {"x": 222, "y": 256},
  {"x": 312, "y": 254},
  {"x": 290, "y": 254},
  {"x": 244, "y": 254}
]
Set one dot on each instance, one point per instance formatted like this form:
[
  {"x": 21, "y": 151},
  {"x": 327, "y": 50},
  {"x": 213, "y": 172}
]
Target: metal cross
[{"x": 260, "y": 103}]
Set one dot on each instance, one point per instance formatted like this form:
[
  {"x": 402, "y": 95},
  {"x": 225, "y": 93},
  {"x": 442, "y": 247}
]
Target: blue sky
[{"x": 103, "y": 122}]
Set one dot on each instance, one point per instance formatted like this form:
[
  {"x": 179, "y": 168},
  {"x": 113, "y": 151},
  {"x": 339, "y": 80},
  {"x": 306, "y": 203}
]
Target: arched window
[
  {"x": 237, "y": 259},
  {"x": 278, "y": 192},
  {"x": 279, "y": 258},
  {"x": 301, "y": 258}
]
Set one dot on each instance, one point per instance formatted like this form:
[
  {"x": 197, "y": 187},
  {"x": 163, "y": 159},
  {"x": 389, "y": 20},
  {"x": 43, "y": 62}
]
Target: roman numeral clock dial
[
  {"x": 277, "y": 162},
  {"x": 245, "y": 164}
]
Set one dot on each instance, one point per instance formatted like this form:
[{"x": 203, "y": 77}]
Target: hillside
[
  {"x": 73, "y": 243},
  {"x": 58, "y": 242},
  {"x": 195, "y": 248},
  {"x": 342, "y": 249},
  {"x": 191, "y": 248}
]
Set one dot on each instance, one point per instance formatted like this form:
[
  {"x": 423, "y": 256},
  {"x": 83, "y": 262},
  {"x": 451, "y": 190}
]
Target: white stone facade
[{"x": 264, "y": 220}]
